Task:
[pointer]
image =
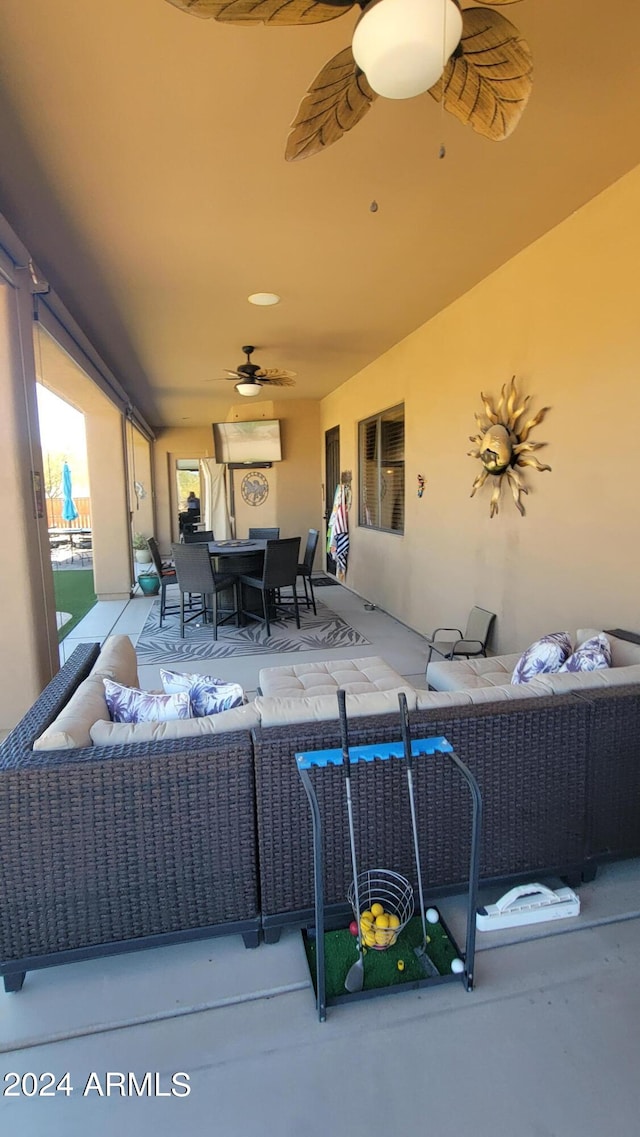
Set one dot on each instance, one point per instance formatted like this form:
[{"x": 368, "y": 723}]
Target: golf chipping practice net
[
  {"x": 398, "y": 965},
  {"x": 435, "y": 951}
]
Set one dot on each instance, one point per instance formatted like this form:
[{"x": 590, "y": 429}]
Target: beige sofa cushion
[
  {"x": 488, "y": 665},
  {"x": 357, "y": 676},
  {"x": 427, "y": 700},
  {"x": 563, "y": 681},
  {"x": 87, "y": 705},
  {"x": 461, "y": 676},
  {"x": 279, "y": 710},
  {"x": 119, "y": 733},
  {"x": 623, "y": 653},
  {"x": 117, "y": 661},
  {"x": 72, "y": 727}
]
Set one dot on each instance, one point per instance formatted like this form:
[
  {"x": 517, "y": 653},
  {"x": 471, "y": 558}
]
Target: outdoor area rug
[{"x": 163, "y": 644}]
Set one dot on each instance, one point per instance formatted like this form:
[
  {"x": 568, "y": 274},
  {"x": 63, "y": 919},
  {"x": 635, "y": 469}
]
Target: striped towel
[{"x": 339, "y": 534}]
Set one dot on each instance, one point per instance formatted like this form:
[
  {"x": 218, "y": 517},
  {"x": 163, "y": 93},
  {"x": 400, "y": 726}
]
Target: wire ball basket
[{"x": 394, "y": 893}]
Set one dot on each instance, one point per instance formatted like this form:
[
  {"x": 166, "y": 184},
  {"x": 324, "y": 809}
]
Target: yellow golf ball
[
  {"x": 400, "y": 965},
  {"x": 383, "y": 937}
]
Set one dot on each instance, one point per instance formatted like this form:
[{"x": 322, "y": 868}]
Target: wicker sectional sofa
[
  {"x": 113, "y": 848},
  {"x": 108, "y": 849}
]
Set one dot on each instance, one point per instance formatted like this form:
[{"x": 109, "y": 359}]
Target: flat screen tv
[{"x": 247, "y": 442}]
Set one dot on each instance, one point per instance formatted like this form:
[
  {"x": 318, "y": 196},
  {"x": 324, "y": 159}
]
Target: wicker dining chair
[
  {"x": 198, "y": 536},
  {"x": 264, "y": 534},
  {"x": 196, "y": 576},
  {"x": 167, "y": 575},
  {"x": 280, "y": 570},
  {"x": 306, "y": 567}
]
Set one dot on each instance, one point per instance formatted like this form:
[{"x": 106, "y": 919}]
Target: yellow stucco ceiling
[{"x": 142, "y": 164}]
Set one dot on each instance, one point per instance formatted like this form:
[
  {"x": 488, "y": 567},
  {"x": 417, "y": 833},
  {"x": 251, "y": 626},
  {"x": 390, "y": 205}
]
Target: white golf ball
[
  {"x": 457, "y": 966},
  {"x": 433, "y": 915}
]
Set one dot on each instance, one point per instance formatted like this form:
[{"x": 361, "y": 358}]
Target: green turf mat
[
  {"x": 381, "y": 967},
  {"x": 74, "y": 591}
]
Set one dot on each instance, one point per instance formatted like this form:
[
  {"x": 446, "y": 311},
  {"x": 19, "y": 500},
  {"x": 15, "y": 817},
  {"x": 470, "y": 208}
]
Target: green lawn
[{"x": 74, "y": 594}]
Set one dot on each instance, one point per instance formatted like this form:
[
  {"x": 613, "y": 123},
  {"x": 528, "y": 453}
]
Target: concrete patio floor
[{"x": 545, "y": 1046}]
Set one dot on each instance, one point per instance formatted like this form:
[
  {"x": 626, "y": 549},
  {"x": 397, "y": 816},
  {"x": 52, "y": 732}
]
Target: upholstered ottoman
[{"x": 303, "y": 692}]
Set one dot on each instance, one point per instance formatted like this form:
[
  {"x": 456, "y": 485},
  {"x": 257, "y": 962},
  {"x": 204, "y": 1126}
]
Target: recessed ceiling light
[{"x": 263, "y": 299}]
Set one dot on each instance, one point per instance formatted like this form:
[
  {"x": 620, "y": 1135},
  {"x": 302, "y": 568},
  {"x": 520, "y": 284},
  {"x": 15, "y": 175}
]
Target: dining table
[
  {"x": 74, "y": 537},
  {"x": 238, "y": 557},
  {"x": 229, "y": 548}
]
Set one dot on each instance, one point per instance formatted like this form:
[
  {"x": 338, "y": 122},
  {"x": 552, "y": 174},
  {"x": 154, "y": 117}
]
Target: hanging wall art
[
  {"x": 254, "y": 488},
  {"x": 502, "y": 446}
]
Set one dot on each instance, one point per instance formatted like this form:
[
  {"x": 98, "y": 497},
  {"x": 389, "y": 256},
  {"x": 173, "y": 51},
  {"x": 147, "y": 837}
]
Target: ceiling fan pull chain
[{"x": 442, "y": 152}]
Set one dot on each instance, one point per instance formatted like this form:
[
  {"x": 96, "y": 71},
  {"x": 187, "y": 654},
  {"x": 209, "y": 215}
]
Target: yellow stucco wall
[
  {"x": 294, "y": 501},
  {"x": 563, "y": 318}
]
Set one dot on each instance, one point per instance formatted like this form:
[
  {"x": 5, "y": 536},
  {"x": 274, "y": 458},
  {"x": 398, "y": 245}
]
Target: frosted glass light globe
[
  {"x": 403, "y": 46},
  {"x": 248, "y": 389}
]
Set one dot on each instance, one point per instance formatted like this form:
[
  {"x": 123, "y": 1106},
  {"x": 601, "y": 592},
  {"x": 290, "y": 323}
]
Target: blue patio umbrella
[{"x": 69, "y": 511}]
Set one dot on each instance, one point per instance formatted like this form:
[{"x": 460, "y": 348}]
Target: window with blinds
[{"x": 381, "y": 471}]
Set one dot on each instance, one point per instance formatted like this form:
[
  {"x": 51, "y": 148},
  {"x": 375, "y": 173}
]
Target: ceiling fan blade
[
  {"x": 282, "y": 379},
  {"x": 337, "y": 99},
  {"x": 273, "y": 373},
  {"x": 489, "y": 83},
  {"x": 265, "y": 11},
  {"x": 231, "y": 374}
]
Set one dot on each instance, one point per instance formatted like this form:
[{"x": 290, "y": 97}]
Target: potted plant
[
  {"x": 141, "y": 549},
  {"x": 149, "y": 582}
]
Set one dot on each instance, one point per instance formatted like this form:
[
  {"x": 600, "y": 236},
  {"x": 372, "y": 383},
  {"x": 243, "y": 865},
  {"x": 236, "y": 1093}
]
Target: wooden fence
[{"x": 54, "y": 513}]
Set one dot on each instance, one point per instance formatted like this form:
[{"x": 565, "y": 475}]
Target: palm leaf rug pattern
[{"x": 162, "y": 644}]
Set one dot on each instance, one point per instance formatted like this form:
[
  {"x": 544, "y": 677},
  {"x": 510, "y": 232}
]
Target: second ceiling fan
[{"x": 249, "y": 377}]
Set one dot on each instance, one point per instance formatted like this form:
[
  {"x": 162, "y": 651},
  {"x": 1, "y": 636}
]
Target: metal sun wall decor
[{"x": 501, "y": 445}]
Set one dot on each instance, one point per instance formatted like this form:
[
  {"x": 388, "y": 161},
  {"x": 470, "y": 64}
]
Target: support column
[
  {"x": 140, "y": 504},
  {"x": 28, "y": 636},
  {"x": 112, "y": 567}
]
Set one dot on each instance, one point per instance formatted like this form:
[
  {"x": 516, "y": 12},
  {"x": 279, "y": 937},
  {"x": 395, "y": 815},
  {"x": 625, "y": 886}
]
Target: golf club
[
  {"x": 421, "y": 952},
  {"x": 355, "y": 975}
]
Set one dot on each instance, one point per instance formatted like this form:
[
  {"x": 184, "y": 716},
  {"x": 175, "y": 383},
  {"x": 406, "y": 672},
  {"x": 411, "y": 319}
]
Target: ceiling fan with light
[
  {"x": 472, "y": 60},
  {"x": 250, "y": 377}
]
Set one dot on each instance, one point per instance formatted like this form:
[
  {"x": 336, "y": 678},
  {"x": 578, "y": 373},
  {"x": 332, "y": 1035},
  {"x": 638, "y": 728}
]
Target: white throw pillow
[
  {"x": 592, "y": 655},
  {"x": 545, "y": 655},
  {"x": 208, "y": 696},
  {"x": 128, "y": 704}
]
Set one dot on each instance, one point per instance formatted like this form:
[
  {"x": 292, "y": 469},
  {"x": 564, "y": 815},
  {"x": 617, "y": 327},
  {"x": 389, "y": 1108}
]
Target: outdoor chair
[
  {"x": 264, "y": 534},
  {"x": 167, "y": 575},
  {"x": 196, "y": 576},
  {"x": 280, "y": 570},
  {"x": 473, "y": 642},
  {"x": 198, "y": 536},
  {"x": 305, "y": 569}
]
